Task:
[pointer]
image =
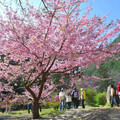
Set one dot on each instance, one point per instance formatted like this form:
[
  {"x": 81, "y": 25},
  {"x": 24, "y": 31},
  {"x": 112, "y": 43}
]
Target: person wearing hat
[
  {"x": 62, "y": 99},
  {"x": 118, "y": 92},
  {"x": 82, "y": 97}
]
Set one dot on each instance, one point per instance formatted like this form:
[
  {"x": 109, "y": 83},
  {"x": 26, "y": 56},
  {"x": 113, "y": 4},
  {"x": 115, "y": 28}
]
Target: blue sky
[
  {"x": 104, "y": 7},
  {"x": 100, "y": 7}
]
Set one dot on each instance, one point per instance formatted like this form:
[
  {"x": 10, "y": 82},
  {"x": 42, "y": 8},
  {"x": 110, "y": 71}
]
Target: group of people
[
  {"x": 71, "y": 96},
  {"x": 113, "y": 95}
]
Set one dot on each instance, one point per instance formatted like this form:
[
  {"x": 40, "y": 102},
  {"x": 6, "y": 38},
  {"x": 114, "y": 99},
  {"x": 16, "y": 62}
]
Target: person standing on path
[
  {"x": 75, "y": 97},
  {"x": 30, "y": 105},
  {"x": 68, "y": 100},
  {"x": 40, "y": 106},
  {"x": 82, "y": 97},
  {"x": 112, "y": 96},
  {"x": 62, "y": 99}
]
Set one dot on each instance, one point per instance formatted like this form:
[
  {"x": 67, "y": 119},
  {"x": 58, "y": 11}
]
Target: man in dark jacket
[{"x": 75, "y": 97}]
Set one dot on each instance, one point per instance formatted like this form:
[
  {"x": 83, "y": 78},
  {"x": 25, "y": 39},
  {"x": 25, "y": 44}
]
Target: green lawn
[
  {"x": 19, "y": 113},
  {"x": 50, "y": 112}
]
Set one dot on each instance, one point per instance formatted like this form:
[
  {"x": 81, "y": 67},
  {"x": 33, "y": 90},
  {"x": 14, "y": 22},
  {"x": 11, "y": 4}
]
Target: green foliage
[
  {"x": 67, "y": 78},
  {"x": 114, "y": 65},
  {"x": 51, "y": 104},
  {"x": 103, "y": 71},
  {"x": 103, "y": 85},
  {"x": 18, "y": 88},
  {"x": 101, "y": 98},
  {"x": 19, "y": 107},
  {"x": 90, "y": 97},
  {"x": 55, "y": 113},
  {"x": 2, "y": 58},
  {"x": 56, "y": 78},
  {"x": 92, "y": 70},
  {"x": 95, "y": 99}
]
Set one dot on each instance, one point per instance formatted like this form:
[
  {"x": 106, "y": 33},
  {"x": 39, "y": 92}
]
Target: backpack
[
  {"x": 62, "y": 96},
  {"x": 118, "y": 88},
  {"x": 75, "y": 94}
]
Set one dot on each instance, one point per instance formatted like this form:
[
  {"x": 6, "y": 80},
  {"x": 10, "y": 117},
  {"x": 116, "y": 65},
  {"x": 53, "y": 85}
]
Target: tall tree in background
[{"x": 53, "y": 40}]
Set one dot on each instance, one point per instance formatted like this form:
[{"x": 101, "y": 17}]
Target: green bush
[
  {"x": 90, "y": 97},
  {"x": 55, "y": 105},
  {"x": 51, "y": 104},
  {"x": 101, "y": 98}
]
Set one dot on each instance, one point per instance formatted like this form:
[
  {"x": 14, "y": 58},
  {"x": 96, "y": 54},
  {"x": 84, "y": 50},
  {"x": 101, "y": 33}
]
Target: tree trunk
[{"x": 36, "y": 109}]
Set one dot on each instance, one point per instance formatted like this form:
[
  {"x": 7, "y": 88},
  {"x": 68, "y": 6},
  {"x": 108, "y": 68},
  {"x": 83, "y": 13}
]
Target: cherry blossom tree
[{"x": 55, "y": 39}]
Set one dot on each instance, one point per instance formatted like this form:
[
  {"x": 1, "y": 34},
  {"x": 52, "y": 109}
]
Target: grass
[
  {"x": 54, "y": 113},
  {"x": 19, "y": 113},
  {"x": 49, "y": 112},
  {"x": 46, "y": 113}
]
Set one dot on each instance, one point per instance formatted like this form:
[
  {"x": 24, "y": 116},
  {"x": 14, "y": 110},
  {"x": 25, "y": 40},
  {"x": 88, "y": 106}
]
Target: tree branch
[
  {"x": 44, "y": 5},
  {"x": 42, "y": 85},
  {"x": 30, "y": 90}
]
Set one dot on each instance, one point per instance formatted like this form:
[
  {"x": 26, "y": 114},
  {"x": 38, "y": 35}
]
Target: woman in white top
[
  {"x": 68, "y": 100},
  {"x": 62, "y": 99}
]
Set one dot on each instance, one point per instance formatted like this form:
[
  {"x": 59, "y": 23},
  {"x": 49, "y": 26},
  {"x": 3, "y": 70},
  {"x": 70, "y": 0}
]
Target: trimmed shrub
[
  {"x": 55, "y": 105},
  {"x": 51, "y": 104},
  {"x": 90, "y": 97},
  {"x": 101, "y": 98}
]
